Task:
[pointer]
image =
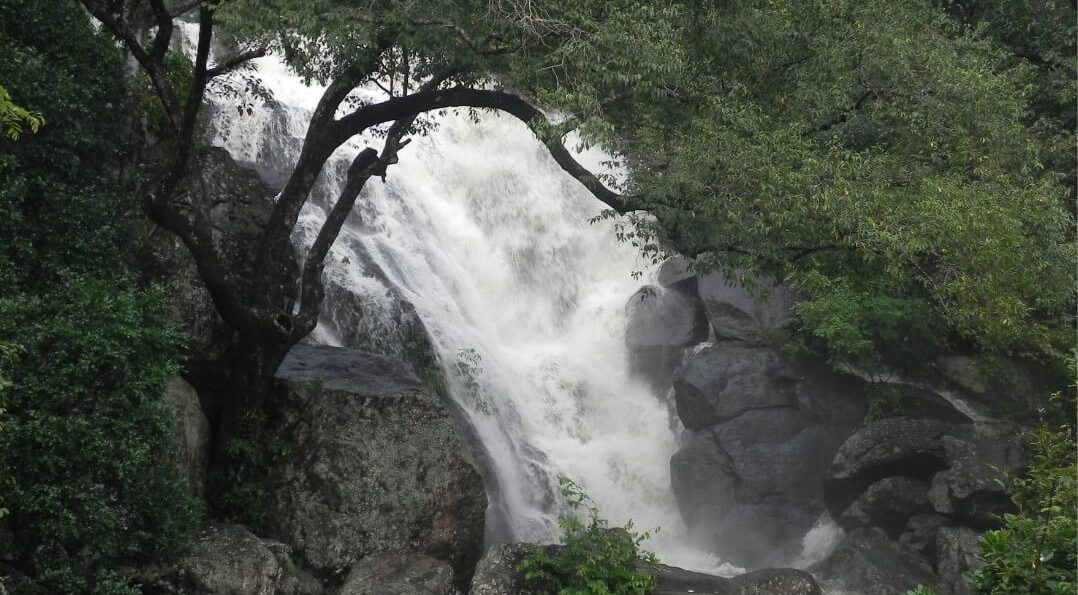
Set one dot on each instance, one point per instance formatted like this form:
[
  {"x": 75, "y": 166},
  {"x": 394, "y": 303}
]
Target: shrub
[
  {"x": 593, "y": 558},
  {"x": 1035, "y": 551},
  {"x": 85, "y": 435}
]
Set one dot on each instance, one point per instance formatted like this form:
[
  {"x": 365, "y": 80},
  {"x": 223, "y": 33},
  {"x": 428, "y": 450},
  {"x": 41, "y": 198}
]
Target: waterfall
[{"x": 523, "y": 298}]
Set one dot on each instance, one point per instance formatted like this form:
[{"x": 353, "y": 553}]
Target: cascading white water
[{"x": 523, "y": 298}]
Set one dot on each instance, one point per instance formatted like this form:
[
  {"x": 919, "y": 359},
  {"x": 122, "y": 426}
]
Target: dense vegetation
[
  {"x": 88, "y": 348},
  {"x": 906, "y": 166}
]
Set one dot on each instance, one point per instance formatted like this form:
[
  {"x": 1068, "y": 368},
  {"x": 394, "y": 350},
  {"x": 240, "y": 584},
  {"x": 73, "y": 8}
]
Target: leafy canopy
[{"x": 882, "y": 158}]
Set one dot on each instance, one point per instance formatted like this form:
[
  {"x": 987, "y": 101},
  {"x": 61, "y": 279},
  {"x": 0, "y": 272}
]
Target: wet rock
[
  {"x": 497, "y": 574},
  {"x": 750, "y": 488},
  {"x": 398, "y": 573},
  {"x": 190, "y": 449},
  {"x": 737, "y": 313},
  {"x": 888, "y": 503},
  {"x": 662, "y": 323},
  {"x": 374, "y": 463},
  {"x": 898, "y": 446},
  {"x": 674, "y": 272},
  {"x": 980, "y": 476},
  {"x": 867, "y": 561},
  {"x": 725, "y": 380}
]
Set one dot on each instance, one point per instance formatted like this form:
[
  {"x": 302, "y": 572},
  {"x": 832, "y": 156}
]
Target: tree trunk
[{"x": 250, "y": 385}]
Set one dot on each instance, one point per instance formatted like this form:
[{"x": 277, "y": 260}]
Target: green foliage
[
  {"x": 1036, "y": 551},
  {"x": 593, "y": 559},
  {"x": 921, "y": 590},
  {"x": 237, "y": 486},
  {"x": 13, "y": 117},
  {"x": 86, "y": 431}
]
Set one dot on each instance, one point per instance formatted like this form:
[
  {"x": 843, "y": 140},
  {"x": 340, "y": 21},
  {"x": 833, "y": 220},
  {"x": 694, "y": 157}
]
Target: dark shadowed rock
[
  {"x": 375, "y": 463},
  {"x": 674, "y": 273},
  {"x": 868, "y": 562},
  {"x": 737, "y": 313},
  {"x": 888, "y": 503},
  {"x": 662, "y": 323},
  {"x": 920, "y": 533},
  {"x": 398, "y": 573},
  {"x": 725, "y": 380}
]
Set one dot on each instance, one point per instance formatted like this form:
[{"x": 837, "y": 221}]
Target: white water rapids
[{"x": 523, "y": 298}]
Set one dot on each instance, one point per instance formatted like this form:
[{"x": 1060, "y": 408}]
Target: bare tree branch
[{"x": 233, "y": 62}]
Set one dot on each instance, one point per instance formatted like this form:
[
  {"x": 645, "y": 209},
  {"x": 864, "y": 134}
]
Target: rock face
[
  {"x": 399, "y": 573},
  {"x": 662, "y": 323},
  {"x": 230, "y": 560},
  {"x": 776, "y": 441},
  {"x": 191, "y": 442},
  {"x": 868, "y": 561},
  {"x": 740, "y": 314},
  {"x": 497, "y": 574},
  {"x": 749, "y": 479},
  {"x": 374, "y": 463}
]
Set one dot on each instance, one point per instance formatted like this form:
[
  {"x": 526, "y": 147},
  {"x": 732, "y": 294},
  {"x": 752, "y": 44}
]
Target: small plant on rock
[{"x": 593, "y": 558}]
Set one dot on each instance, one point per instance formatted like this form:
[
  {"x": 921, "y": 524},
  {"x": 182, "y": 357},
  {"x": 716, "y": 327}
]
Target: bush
[
  {"x": 1035, "y": 551},
  {"x": 85, "y": 435},
  {"x": 593, "y": 558}
]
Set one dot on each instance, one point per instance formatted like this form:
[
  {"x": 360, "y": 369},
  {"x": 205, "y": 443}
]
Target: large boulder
[
  {"x": 868, "y": 561},
  {"x": 901, "y": 446},
  {"x": 753, "y": 316},
  {"x": 661, "y": 324},
  {"x": 398, "y": 573},
  {"x": 230, "y": 560},
  {"x": 190, "y": 450},
  {"x": 749, "y": 478},
  {"x": 374, "y": 463},
  {"x": 957, "y": 550},
  {"x": 724, "y": 380},
  {"x": 979, "y": 479},
  {"x": 497, "y": 574}
]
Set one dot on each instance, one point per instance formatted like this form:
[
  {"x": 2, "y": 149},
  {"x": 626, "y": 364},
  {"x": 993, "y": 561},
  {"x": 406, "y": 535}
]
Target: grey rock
[
  {"x": 398, "y": 573},
  {"x": 899, "y": 446},
  {"x": 661, "y": 323},
  {"x": 980, "y": 475},
  {"x": 867, "y": 561},
  {"x": 227, "y": 560},
  {"x": 939, "y": 494},
  {"x": 750, "y": 488},
  {"x": 375, "y": 463},
  {"x": 737, "y": 313},
  {"x": 674, "y": 272},
  {"x": 888, "y": 503},
  {"x": 776, "y": 581},
  {"x": 725, "y": 380},
  {"x": 497, "y": 574},
  {"x": 190, "y": 449},
  {"x": 920, "y": 534},
  {"x": 956, "y": 551}
]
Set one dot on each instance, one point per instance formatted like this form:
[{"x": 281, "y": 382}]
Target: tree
[
  {"x": 85, "y": 348},
  {"x": 875, "y": 155},
  {"x": 434, "y": 55}
]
